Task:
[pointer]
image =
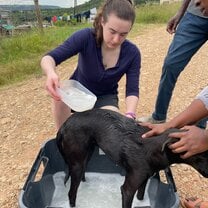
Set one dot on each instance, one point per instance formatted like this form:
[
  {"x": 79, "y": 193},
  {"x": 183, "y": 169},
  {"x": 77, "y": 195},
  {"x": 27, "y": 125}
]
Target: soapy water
[
  {"x": 74, "y": 91},
  {"x": 100, "y": 190},
  {"x": 77, "y": 99},
  {"x": 78, "y": 94}
]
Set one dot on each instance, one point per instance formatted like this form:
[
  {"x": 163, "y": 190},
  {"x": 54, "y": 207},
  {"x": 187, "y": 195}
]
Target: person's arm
[
  {"x": 193, "y": 113},
  {"x": 72, "y": 46},
  {"x": 193, "y": 139},
  {"x": 52, "y": 82},
  {"x": 132, "y": 83},
  {"x": 131, "y": 105},
  {"x": 174, "y": 21},
  {"x": 197, "y": 110}
]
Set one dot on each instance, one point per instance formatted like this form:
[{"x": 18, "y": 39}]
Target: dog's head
[{"x": 198, "y": 161}]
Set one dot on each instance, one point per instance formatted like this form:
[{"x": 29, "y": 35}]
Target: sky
[{"x": 61, "y": 3}]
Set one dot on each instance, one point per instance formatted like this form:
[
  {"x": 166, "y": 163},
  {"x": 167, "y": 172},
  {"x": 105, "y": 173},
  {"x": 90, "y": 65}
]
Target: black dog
[{"x": 120, "y": 138}]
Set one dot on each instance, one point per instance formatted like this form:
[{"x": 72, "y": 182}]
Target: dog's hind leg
[
  {"x": 128, "y": 189},
  {"x": 90, "y": 153},
  {"x": 77, "y": 167},
  {"x": 77, "y": 171}
]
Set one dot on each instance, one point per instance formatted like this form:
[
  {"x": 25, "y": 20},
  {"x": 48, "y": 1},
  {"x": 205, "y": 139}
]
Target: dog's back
[{"x": 107, "y": 128}]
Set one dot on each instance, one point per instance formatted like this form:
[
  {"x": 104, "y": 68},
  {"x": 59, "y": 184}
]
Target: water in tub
[{"x": 100, "y": 190}]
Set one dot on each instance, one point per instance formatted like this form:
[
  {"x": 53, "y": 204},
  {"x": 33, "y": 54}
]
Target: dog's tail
[{"x": 59, "y": 139}]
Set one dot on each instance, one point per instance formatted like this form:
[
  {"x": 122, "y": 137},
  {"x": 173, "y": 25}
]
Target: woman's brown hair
[{"x": 123, "y": 9}]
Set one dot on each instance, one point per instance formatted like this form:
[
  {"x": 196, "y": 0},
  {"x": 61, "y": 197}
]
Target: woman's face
[{"x": 115, "y": 31}]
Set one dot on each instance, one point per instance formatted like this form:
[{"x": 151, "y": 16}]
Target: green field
[{"x": 20, "y": 55}]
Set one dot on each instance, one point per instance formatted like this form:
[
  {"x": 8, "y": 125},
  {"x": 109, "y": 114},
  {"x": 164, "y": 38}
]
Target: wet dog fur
[{"x": 120, "y": 138}]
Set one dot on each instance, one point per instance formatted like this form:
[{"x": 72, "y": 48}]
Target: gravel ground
[{"x": 26, "y": 120}]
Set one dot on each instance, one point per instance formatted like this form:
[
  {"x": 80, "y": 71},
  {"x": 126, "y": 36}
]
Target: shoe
[
  {"x": 149, "y": 119},
  {"x": 194, "y": 202}
]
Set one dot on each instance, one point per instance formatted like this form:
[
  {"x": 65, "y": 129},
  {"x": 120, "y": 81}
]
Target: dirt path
[{"x": 26, "y": 121}]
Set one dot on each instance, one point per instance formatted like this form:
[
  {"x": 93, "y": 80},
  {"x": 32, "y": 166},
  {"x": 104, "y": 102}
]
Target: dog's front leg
[{"x": 128, "y": 189}]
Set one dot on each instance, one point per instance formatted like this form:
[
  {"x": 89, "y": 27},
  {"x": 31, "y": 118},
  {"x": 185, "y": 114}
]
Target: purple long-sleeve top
[{"x": 90, "y": 70}]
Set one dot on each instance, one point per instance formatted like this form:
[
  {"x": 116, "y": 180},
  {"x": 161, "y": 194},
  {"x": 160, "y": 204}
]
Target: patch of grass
[
  {"x": 154, "y": 13},
  {"x": 32, "y": 43},
  {"x": 20, "y": 55},
  {"x": 18, "y": 70}
]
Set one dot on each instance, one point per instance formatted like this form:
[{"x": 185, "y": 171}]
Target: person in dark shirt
[{"x": 104, "y": 57}]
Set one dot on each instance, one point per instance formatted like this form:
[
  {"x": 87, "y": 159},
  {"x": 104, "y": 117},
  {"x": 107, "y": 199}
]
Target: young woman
[{"x": 104, "y": 56}]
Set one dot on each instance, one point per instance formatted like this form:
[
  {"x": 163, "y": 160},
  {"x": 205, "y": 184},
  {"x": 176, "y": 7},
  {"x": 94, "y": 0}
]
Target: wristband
[{"x": 133, "y": 115}]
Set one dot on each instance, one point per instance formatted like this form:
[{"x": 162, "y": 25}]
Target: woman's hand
[
  {"x": 192, "y": 141},
  {"x": 52, "y": 83}
]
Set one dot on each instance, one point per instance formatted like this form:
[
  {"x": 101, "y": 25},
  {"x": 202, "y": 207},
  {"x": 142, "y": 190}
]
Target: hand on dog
[
  {"x": 192, "y": 141},
  {"x": 156, "y": 129}
]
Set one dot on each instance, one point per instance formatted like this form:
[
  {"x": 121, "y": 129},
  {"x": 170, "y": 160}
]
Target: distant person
[
  {"x": 105, "y": 56},
  {"x": 191, "y": 32},
  {"x": 192, "y": 141}
]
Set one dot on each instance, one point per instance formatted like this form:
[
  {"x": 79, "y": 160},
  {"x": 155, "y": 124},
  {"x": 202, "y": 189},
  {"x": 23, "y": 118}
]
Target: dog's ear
[{"x": 169, "y": 141}]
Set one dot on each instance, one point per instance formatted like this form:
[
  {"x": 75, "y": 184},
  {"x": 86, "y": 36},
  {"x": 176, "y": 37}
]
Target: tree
[{"x": 38, "y": 14}]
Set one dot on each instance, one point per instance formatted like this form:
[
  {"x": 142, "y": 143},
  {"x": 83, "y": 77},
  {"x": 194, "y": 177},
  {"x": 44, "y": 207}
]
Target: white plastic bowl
[{"x": 76, "y": 96}]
